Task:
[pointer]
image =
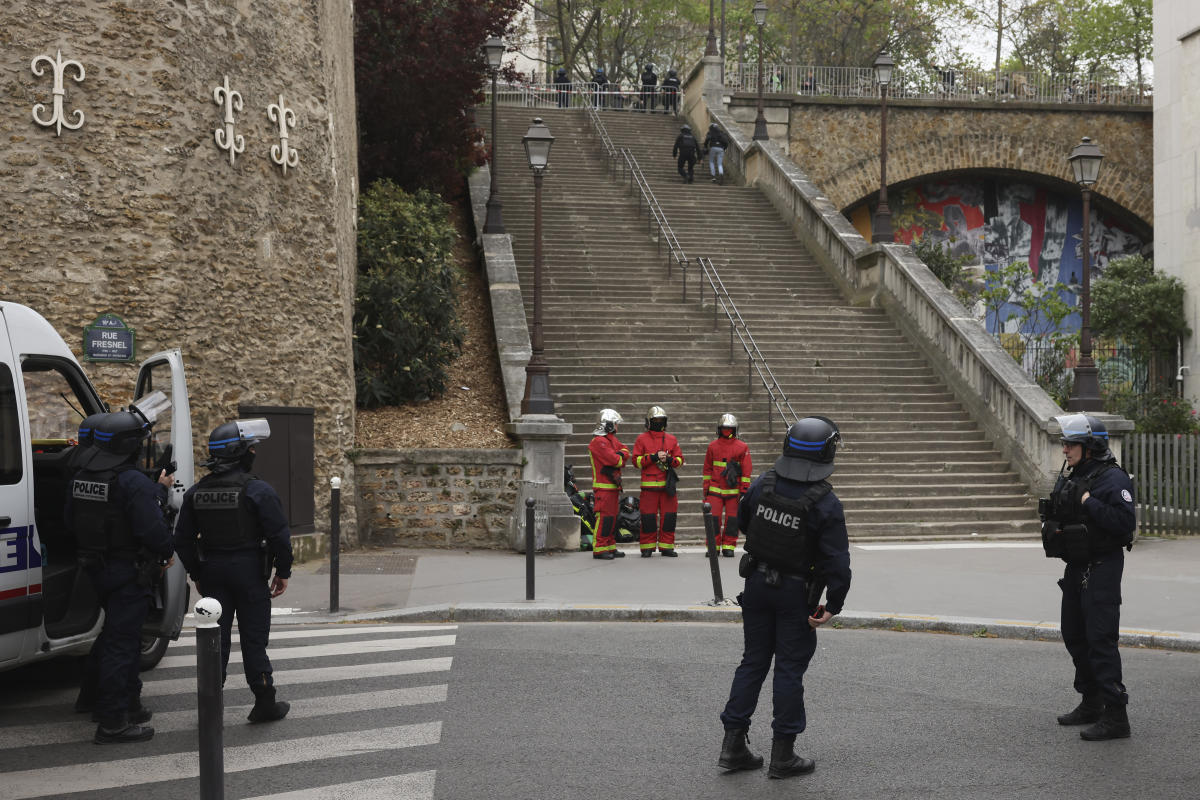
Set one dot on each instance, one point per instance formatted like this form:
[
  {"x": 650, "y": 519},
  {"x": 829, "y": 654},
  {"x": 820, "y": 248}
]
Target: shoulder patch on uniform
[{"x": 1126, "y": 496}]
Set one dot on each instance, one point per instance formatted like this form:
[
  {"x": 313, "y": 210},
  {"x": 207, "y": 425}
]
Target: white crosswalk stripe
[
  {"x": 317, "y": 650},
  {"x": 345, "y": 702}
]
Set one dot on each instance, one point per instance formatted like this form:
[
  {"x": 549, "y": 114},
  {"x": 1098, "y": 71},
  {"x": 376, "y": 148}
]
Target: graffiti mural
[{"x": 998, "y": 223}]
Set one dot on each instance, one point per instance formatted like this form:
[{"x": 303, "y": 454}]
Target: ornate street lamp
[
  {"x": 881, "y": 229},
  {"x": 1085, "y": 394},
  {"x": 495, "y": 221},
  {"x": 760, "y": 122},
  {"x": 710, "y": 46},
  {"x": 537, "y": 399}
]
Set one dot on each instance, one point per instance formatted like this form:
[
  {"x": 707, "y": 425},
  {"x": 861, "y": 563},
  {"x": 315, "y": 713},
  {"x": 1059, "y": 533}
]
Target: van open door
[{"x": 164, "y": 372}]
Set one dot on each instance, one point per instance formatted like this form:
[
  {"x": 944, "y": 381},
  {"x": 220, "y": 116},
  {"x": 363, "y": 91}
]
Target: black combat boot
[
  {"x": 119, "y": 730},
  {"x": 784, "y": 762},
  {"x": 266, "y": 708},
  {"x": 1087, "y": 712},
  {"x": 1113, "y": 724},
  {"x": 647, "y": 553},
  {"x": 735, "y": 754}
]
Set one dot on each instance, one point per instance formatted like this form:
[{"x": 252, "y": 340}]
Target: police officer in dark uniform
[
  {"x": 796, "y": 545},
  {"x": 231, "y": 530},
  {"x": 1088, "y": 522},
  {"x": 116, "y": 514},
  {"x": 649, "y": 89},
  {"x": 684, "y": 153},
  {"x": 670, "y": 92}
]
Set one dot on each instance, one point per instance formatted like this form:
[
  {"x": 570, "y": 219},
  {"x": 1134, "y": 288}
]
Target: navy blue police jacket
[
  {"x": 1109, "y": 507},
  {"x": 826, "y": 521},
  {"x": 273, "y": 527},
  {"x": 141, "y": 500}
]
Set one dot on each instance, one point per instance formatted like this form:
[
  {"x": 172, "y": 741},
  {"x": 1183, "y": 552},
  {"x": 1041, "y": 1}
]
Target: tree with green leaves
[{"x": 1142, "y": 307}]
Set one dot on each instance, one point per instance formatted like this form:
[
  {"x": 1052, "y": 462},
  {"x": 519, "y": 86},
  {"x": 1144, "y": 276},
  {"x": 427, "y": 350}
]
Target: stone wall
[
  {"x": 836, "y": 142},
  {"x": 436, "y": 498},
  {"x": 247, "y": 268}
]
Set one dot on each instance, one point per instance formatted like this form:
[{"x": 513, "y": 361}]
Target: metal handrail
[{"x": 754, "y": 356}]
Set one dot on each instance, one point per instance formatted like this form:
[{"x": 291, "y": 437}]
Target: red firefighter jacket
[
  {"x": 644, "y": 450},
  {"x": 607, "y": 451},
  {"x": 721, "y": 452}
]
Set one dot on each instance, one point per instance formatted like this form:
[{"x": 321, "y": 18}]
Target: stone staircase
[{"x": 618, "y": 334}]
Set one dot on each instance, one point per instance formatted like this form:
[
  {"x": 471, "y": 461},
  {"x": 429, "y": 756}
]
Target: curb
[{"x": 728, "y": 612}]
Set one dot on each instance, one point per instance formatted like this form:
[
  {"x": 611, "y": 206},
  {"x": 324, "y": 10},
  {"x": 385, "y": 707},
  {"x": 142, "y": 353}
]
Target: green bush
[
  {"x": 1159, "y": 412},
  {"x": 946, "y": 267},
  {"x": 405, "y": 327},
  {"x": 1142, "y": 307}
]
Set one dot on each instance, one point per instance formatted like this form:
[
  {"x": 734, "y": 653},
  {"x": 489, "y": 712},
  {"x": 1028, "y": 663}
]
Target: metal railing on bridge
[
  {"x": 945, "y": 84},
  {"x": 631, "y": 172},
  {"x": 610, "y": 97}
]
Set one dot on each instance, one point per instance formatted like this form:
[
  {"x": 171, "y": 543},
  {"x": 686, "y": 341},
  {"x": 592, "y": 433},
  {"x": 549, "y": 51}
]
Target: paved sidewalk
[{"x": 981, "y": 588}]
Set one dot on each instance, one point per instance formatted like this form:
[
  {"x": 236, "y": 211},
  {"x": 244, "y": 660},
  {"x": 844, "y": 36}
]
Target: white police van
[{"x": 47, "y": 604}]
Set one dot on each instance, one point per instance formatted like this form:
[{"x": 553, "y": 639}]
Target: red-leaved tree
[{"x": 419, "y": 68}]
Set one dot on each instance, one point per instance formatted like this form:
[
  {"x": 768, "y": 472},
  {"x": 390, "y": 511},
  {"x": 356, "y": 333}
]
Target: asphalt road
[{"x": 615, "y": 710}]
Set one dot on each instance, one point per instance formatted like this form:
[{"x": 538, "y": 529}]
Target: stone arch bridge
[{"x": 835, "y": 140}]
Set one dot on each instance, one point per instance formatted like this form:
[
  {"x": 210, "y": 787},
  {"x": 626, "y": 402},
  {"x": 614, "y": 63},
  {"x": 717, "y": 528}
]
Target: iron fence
[
  {"x": 948, "y": 84},
  {"x": 1130, "y": 379}
]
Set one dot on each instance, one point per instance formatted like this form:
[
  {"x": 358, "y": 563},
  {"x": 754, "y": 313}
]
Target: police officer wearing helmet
[
  {"x": 684, "y": 152},
  {"x": 231, "y": 530},
  {"x": 670, "y": 92},
  {"x": 796, "y": 544},
  {"x": 115, "y": 513},
  {"x": 1088, "y": 522}
]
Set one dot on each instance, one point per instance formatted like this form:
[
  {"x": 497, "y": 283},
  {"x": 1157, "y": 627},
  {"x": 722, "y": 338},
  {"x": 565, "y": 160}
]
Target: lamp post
[
  {"x": 537, "y": 399},
  {"x": 1085, "y": 394},
  {"x": 881, "y": 229},
  {"x": 710, "y": 46},
  {"x": 495, "y": 220},
  {"x": 760, "y": 122}
]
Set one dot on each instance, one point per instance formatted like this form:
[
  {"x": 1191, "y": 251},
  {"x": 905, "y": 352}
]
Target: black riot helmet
[
  {"x": 671, "y": 73},
  {"x": 1086, "y": 430},
  {"x": 808, "y": 450},
  {"x": 230, "y": 444},
  {"x": 685, "y": 128},
  {"x": 116, "y": 439},
  {"x": 87, "y": 429}
]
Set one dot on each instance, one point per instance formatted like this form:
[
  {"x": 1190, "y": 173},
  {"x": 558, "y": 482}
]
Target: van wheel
[{"x": 153, "y": 649}]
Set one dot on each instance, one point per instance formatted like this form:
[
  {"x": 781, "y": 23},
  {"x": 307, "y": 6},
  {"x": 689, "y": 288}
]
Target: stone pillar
[{"x": 543, "y": 440}]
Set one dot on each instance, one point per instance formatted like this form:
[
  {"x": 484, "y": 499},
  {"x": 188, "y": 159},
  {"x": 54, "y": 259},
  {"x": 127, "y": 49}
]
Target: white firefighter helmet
[
  {"x": 727, "y": 421},
  {"x": 656, "y": 413},
  {"x": 608, "y": 422}
]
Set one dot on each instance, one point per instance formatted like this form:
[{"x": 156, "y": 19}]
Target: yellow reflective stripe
[
  {"x": 666, "y": 546},
  {"x": 746, "y": 479},
  {"x": 604, "y": 548},
  {"x": 729, "y": 547},
  {"x": 654, "y": 484},
  {"x": 604, "y": 486},
  {"x": 647, "y": 545},
  {"x": 720, "y": 463},
  {"x": 720, "y": 491}
]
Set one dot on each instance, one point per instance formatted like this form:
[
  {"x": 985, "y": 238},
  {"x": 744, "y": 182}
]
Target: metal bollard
[
  {"x": 335, "y": 531},
  {"x": 710, "y": 534},
  {"x": 529, "y": 544},
  {"x": 210, "y": 704}
]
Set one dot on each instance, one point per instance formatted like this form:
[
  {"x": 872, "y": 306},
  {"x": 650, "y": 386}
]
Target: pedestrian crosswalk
[{"x": 365, "y": 701}]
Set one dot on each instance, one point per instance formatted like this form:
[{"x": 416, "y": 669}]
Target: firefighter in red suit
[
  {"x": 727, "y": 474},
  {"x": 654, "y": 452},
  {"x": 607, "y": 455}
]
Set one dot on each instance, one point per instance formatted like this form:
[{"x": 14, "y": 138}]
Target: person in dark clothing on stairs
[
  {"x": 670, "y": 92},
  {"x": 684, "y": 152},
  {"x": 649, "y": 89},
  {"x": 716, "y": 143}
]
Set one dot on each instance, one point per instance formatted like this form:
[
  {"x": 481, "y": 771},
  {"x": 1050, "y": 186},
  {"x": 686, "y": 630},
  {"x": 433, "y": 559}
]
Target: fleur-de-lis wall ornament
[
  {"x": 56, "y": 115},
  {"x": 281, "y": 154},
  {"x": 226, "y": 139}
]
